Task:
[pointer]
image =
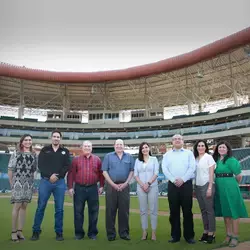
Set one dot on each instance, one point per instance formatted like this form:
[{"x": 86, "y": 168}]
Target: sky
[{"x": 87, "y": 36}]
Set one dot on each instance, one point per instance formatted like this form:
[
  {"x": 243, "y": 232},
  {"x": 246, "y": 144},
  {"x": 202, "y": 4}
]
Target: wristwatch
[{"x": 149, "y": 183}]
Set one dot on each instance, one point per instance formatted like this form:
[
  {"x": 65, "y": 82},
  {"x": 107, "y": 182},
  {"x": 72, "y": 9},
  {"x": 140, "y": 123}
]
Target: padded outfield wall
[
  {"x": 5, "y": 186},
  {"x": 4, "y": 179}
]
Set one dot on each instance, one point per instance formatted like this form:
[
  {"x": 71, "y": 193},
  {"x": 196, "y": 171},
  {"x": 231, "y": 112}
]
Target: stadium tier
[{"x": 233, "y": 121}]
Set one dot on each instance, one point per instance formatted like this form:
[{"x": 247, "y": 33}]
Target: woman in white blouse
[
  {"x": 146, "y": 171},
  {"x": 204, "y": 189}
]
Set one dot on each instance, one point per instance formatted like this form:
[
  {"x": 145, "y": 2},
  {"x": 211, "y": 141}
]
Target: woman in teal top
[{"x": 229, "y": 203}]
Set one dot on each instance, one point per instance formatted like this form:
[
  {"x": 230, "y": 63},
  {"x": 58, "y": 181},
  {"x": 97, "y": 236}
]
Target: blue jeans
[
  {"x": 83, "y": 195},
  {"x": 45, "y": 189}
]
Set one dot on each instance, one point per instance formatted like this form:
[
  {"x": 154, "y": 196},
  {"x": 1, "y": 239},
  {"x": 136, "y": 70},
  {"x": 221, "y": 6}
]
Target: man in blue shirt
[
  {"x": 178, "y": 165},
  {"x": 118, "y": 168}
]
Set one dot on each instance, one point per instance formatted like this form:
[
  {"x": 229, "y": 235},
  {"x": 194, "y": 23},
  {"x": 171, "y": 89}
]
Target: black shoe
[
  {"x": 173, "y": 240},
  {"x": 93, "y": 237},
  {"x": 125, "y": 237},
  {"x": 204, "y": 237},
  {"x": 79, "y": 237},
  {"x": 210, "y": 239},
  {"x": 59, "y": 237},
  {"x": 35, "y": 236},
  {"x": 191, "y": 241},
  {"x": 111, "y": 238}
]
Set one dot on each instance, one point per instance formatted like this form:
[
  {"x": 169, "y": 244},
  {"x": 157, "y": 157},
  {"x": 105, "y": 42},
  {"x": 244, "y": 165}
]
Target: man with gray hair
[
  {"x": 178, "y": 165},
  {"x": 118, "y": 169},
  {"x": 85, "y": 172}
]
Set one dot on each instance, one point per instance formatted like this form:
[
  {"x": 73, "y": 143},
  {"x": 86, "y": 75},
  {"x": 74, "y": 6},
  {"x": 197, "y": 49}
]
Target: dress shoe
[
  {"x": 191, "y": 241},
  {"x": 210, "y": 239},
  {"x": 79, "y": 237},
  {"x": 59, "y": 237},
  {"x": 35, "y": 236},
  {"x": 125, "y": 237},
  {"x": 203, "y": 238},
  {"x": 173, "y": 240}
]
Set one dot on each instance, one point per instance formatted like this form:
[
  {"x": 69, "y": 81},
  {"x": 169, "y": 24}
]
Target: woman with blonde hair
[{"x": 21, "y": 168}]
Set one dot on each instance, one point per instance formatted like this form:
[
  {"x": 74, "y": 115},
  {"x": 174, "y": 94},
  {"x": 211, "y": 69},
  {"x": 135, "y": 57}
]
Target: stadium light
[{"x": 199, "y": 74}]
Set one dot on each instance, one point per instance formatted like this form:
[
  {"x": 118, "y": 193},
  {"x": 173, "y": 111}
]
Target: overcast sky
[{"x": 104, "y": 35}]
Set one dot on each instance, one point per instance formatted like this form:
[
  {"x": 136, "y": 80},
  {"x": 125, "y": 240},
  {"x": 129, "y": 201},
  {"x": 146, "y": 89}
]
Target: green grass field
[
  {"x": 163, "y": 204},
  {"x": 47, "y": 240}
]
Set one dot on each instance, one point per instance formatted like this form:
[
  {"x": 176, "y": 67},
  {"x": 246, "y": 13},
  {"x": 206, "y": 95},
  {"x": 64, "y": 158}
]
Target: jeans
[
  {"x": 82, "y": 195},
  {"x": 45, "y": 189}
]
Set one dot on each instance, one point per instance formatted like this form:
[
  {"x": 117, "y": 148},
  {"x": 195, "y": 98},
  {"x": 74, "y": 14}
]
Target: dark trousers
[
  {"x": 117, "y": 200},
  {"x": 181, "y": 197},
  {"x": 82, "y": 195},
  {"x": 46, "y": 188}
]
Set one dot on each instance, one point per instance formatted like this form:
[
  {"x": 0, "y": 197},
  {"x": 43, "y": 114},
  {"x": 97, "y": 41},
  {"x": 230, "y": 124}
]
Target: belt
[
  {"x": 119, "y": 182},
  {"x": 47, "y": 178},
  {"x": 224, "y": 175},
  {"x": 85, "y": 185}
]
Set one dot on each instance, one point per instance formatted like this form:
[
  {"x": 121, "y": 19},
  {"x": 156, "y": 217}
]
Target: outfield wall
[{"x": 5, "y": 186}]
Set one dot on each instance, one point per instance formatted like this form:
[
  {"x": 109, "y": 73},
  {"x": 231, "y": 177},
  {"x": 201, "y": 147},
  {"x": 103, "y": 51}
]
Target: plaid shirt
[{"x": 85, "y": 171}]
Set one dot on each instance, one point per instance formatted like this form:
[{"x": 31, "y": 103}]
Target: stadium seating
[
  {"x": 245, "y": 180},
  {"x": 245, "y": 164},
  {"x": 241, "y": 153}
]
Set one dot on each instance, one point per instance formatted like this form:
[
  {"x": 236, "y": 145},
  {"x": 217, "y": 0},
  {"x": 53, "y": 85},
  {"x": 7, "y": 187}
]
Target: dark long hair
[
  {"x": 140, "y": 155},
  {"x": 216, "y": 154},
  {"x": 196, "y": 153},
  {"x": 21, "y": 141}
]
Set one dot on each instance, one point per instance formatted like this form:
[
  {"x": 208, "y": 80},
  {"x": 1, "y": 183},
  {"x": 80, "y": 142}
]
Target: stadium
[{"x": 201, "y": 94}]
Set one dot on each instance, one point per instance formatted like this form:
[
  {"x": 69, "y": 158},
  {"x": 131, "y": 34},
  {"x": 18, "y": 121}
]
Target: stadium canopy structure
[{"x": 216, "y": 71}]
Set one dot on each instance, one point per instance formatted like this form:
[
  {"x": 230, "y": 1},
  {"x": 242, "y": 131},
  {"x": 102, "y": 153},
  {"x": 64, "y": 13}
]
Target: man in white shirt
[{"x": 178, "y": 165}]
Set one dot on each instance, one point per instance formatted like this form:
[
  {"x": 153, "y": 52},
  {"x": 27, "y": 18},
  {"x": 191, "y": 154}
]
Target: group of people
[{"x": 216, "y": 180}]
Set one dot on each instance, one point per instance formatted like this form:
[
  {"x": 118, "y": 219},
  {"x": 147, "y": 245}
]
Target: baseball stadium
[{"x": 202, "y": 94}]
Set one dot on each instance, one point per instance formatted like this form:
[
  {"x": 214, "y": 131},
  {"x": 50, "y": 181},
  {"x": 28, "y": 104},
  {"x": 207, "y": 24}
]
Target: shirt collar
[
  {"x": 177, "y": 150},
  {"x": 86, "y": 156},
  {"x": 124, "y": 153},
  {"x": 59, "y": 148}
]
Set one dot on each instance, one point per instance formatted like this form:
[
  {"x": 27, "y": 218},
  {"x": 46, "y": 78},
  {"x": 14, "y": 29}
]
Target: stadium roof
[{"x": 216, "y": 71}]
